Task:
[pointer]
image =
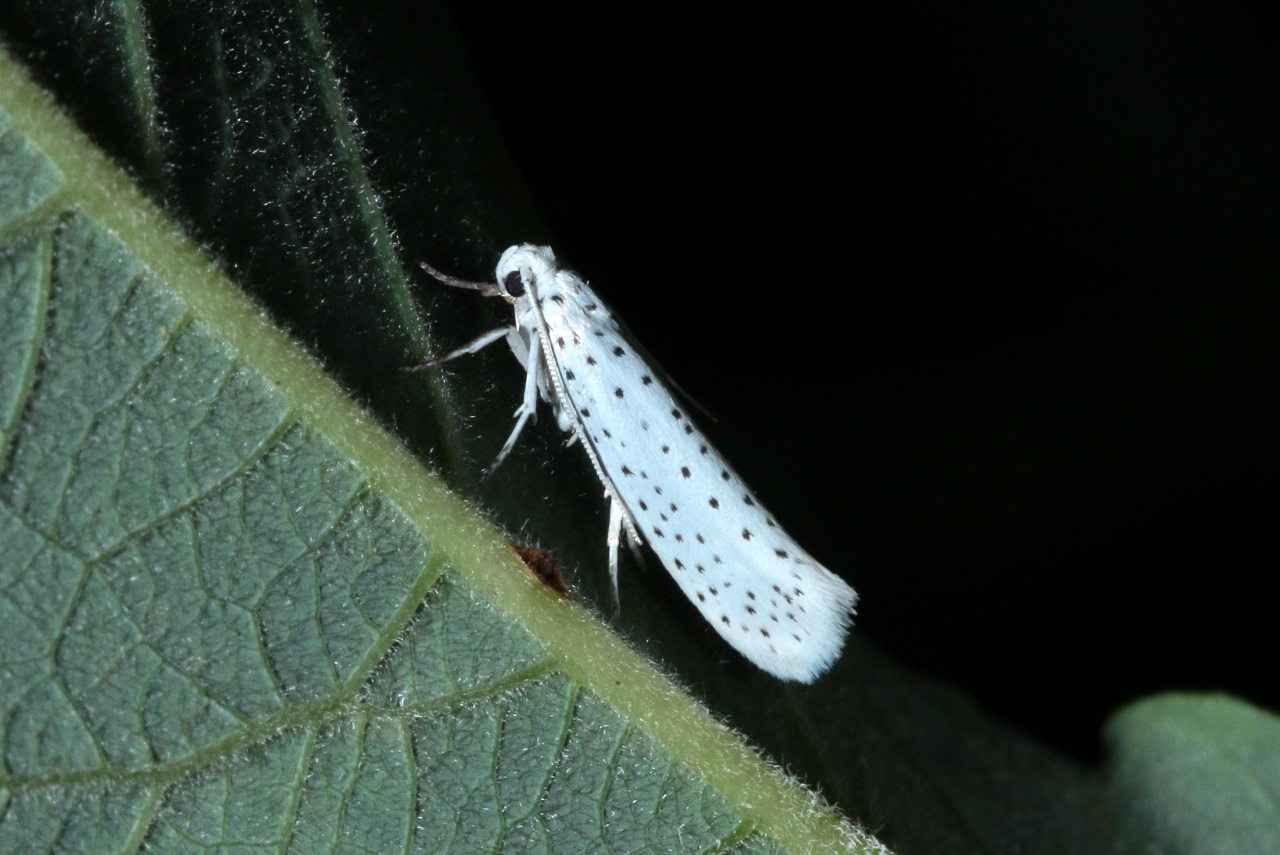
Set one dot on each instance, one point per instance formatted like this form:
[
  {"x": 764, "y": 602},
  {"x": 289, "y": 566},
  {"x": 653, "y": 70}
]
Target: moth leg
[
  {"x": 633, "y": 544},
  {"x": 525, "y": 411},
  {"x": 615, "y": 535},
  {"x": 470, "y": 347}
]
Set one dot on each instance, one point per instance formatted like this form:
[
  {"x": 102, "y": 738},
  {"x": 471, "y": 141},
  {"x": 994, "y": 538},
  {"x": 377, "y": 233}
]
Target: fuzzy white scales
[{"x": 666, "y": 484}]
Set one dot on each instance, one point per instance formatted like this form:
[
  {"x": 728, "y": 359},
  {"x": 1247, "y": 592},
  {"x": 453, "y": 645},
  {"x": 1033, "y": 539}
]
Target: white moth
[{"x": 764, "y": 594}]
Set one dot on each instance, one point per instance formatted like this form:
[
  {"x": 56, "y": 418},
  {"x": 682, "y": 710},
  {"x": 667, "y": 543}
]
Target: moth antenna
[{"x": 489, "y": 289}]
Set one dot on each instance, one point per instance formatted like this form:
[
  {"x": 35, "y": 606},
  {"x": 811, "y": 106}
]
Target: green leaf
[
  {"x": 237, "y": 612},
  {"x": 1197, "y": 773}
]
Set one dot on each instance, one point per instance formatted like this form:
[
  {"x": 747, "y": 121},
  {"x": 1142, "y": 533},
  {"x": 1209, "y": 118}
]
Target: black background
[{"x": 984, "y": 299}]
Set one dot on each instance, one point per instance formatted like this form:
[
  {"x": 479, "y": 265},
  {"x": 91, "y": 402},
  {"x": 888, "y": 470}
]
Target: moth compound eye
[{"x": 513, "y": 284}]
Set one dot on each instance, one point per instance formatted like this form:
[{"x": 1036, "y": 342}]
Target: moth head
[{"x": 521, "y": 268}]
